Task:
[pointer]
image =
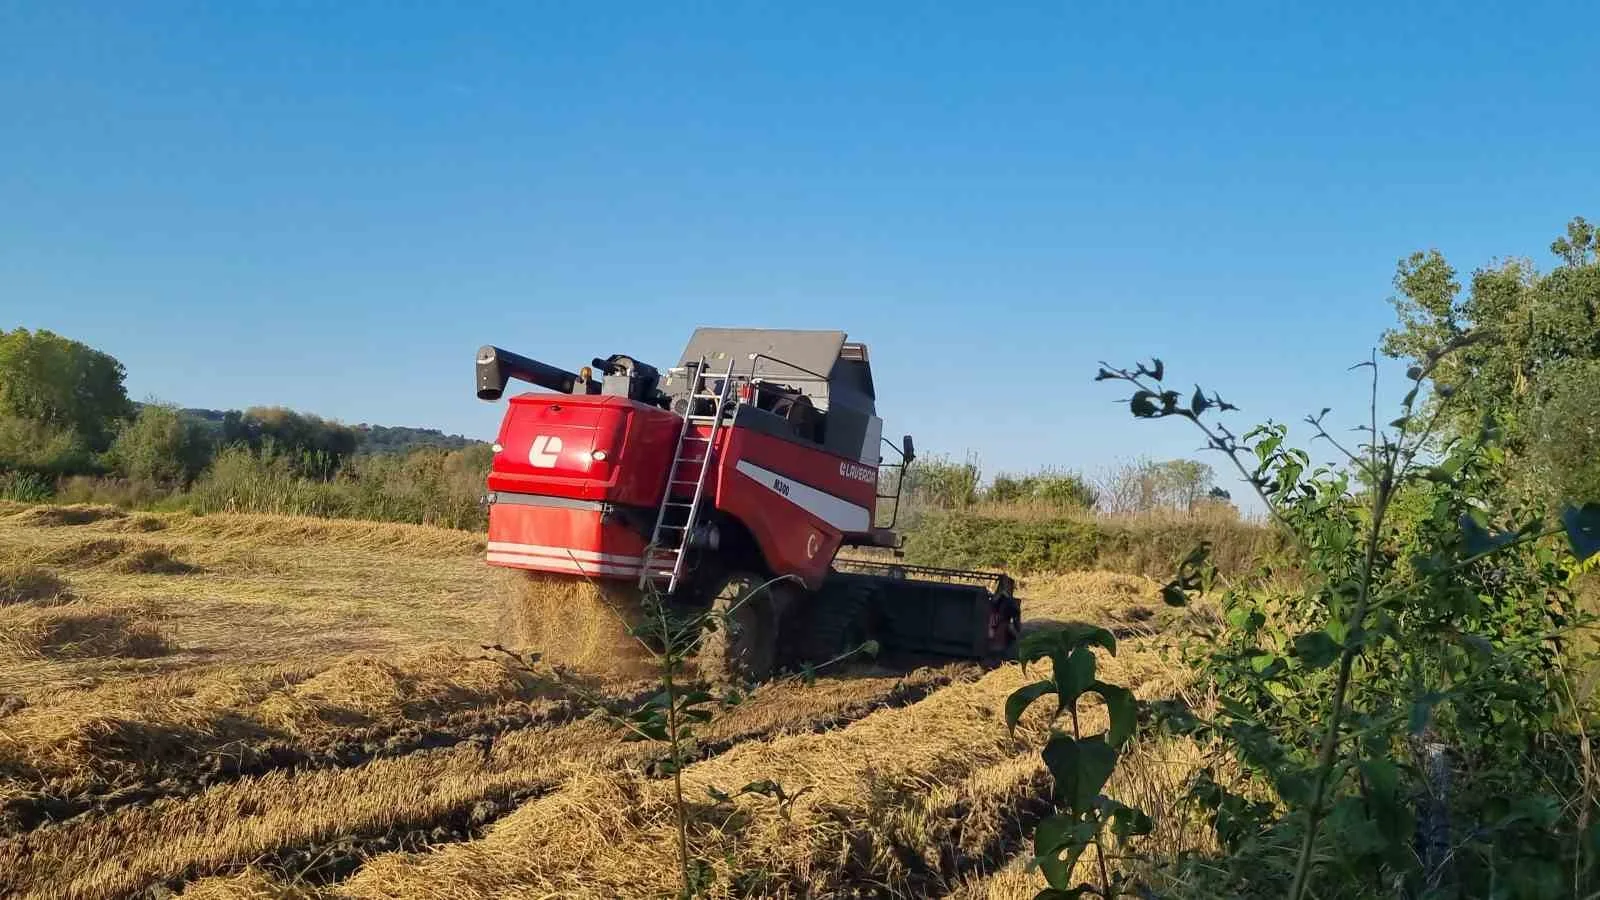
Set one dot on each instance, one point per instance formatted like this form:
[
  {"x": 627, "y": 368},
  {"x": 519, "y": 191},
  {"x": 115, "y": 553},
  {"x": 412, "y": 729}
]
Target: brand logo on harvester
[
  {"x": 859, "y": 473},
  {"x": 544, "y": 451}
]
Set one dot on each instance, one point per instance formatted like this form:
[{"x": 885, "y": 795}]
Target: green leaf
[
  {"x": 1266, "y": 664},
  {"x": 693, "y": 698},
  {"x": 1583, "y": 529},
  {"x": 1074, "y": 675},
  {"x": 1126, "y": 821},
  {"x": 1080, "y": 768},
  {"x": 1022, "y": 698},
  {"x": 1121, "y": 708},
  {"x": 1316, "y": 649},
  {"x": 1422, "y": 711},
  {"x": 1478, "y": 541},
  {"x": 1061, "y": 640},
  {"x": 1198, "y": 403},
  {"x": 1384, "y": 800},
  {"x": 1052, "y": 837}
]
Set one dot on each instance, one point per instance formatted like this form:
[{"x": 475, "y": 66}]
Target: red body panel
[
  {"x": 555, "y": 539},
  {"x": 795, "y": 500},
  {"x": 798, "y": 501},
  {"x": 636, "y": 441}
]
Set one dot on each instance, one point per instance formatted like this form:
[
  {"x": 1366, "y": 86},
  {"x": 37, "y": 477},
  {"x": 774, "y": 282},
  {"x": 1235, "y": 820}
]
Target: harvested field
[{"x": 305, "y": 708}]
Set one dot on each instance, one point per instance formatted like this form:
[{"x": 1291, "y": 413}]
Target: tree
[
  {"x": 1184, "y": 482},
  {"x": 1523, "y": 342},
  {"x": 317, "y": 446},
  {"x": 1148, "y": 486},
  {"x": 62, "y": 385},
  {"x": 162, "y": 445}
]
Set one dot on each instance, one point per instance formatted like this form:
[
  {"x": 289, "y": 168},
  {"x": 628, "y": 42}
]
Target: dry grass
[
  {"x": 581, "y": 624},
  {"x": 315, "y": 636},
  {"x": 26, "y": 583},
  {"x": 80, "y": 630},
  {"x": 75, "y": 514},
  {"x": 251, "y": 817},
  {"x": 888, "y": 798}
]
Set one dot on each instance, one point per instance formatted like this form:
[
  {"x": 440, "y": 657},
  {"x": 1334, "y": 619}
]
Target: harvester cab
[{"x": 745, "y": 467}]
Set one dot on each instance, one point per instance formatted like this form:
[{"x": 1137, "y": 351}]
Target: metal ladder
[{"x": 668, "y": 542}]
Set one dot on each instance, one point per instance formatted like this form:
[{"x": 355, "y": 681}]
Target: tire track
[
  {"x": 326, "y": 863},
  {"x": 320, "y": 825},
  {"x": 218, "y": 766}
]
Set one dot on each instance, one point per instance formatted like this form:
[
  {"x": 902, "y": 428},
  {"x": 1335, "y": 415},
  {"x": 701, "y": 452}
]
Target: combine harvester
[{"x": 756, "y": 456}]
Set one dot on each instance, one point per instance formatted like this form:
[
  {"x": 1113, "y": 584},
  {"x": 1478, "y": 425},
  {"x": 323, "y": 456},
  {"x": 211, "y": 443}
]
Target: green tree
[
  {"x": 1523, "y": 342},
  {"x": 61, "y": 384},
  {"x": 161, "y": 445},
  {"x": 34, "y": 447},
  {"x": 316, "y": 446},
  {"x": 1184, "y": 483}
]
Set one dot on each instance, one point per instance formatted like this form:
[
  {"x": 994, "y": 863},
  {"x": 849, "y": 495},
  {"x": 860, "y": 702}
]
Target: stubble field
[{"x": 257, "y": 706}]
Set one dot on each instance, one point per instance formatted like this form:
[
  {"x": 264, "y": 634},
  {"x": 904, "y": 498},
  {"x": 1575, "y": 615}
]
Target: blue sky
[{"x": 331, "y": 206}]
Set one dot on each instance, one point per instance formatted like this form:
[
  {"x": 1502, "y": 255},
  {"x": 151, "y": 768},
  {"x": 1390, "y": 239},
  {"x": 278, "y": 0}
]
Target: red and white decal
[
  {"x": 836, "y": 511},
  {"x": 544, "y": 451}
]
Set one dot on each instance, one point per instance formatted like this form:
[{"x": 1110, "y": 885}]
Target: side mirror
[{"x": 908, "y": 449}]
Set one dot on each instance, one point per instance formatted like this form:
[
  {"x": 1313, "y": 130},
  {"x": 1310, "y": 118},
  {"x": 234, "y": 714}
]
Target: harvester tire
[
  {"x": 747, "y": 650},
  {"x": 838, "y": 621}
]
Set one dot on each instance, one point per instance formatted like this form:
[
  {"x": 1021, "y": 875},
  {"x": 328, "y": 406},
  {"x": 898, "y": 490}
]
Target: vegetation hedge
[{"x": 1149, "y": 547}]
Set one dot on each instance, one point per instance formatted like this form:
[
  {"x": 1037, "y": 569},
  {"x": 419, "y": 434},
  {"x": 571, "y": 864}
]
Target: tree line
[{"x": 69, "y": 431}]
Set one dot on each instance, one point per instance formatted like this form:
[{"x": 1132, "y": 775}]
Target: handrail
[{"x": 759, "y": 356}]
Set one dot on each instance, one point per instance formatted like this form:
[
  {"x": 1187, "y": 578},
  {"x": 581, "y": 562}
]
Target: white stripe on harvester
[
  {"x": 555, "y": 564},
  {"x": 836, "y": 511},
  {"x": 567, "y": 553}
]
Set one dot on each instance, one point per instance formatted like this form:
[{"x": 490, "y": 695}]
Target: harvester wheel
[
  {"x": 742, "y": 646},
  {"x": 837, "y": 622}
]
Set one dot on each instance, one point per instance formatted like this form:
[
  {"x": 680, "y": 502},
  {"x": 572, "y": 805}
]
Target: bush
[
  {"x": 1061, "y": 490},
  {"x": 1146, "y": 486},
  {"x": 25, "y": 487},
  {"x": 1565, "y": 436},
  {"x": 1033, "y": 545},
  {"x": 941, "y": 483},
  {"x": 162, "y": 445},
  {"x": 425, "y": 487},
  {"x": 120, "y": 492},
  {"x": 28, "y": 445}
]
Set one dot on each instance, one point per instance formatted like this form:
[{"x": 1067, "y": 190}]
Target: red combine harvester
[{"x": 756, "y": 456}]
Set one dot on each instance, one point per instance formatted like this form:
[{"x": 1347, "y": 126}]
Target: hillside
[{"x": 373, "y": 438}]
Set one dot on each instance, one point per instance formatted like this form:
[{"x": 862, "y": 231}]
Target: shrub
[
  {"x": 25, "y": 487},
  {"x": 1436, "y": 640},
  {"x": 1059, "y": 543},
  {"x": 31, "y": 446},
  {"x": 162, "y": 445},
  {"x": 1060, "y": 490},
  {"x": 941, "y": 483}
]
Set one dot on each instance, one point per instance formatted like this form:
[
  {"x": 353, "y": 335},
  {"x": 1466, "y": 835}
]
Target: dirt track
[{"x": 311, "y": 712}]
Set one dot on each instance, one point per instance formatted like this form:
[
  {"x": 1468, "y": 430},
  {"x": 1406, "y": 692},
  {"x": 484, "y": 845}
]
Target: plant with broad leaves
[
  {"x": 1425, "y": 619},
  {"x": 1079, "y": 764}
]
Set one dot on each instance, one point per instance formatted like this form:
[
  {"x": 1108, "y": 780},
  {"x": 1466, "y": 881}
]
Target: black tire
[
  {"x": 838, "y": 621},
  {"x": 741, "y": 646}
]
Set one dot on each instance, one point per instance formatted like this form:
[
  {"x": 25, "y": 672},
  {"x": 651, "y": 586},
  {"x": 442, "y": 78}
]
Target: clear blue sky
[{"x": 331, "y": 206}]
